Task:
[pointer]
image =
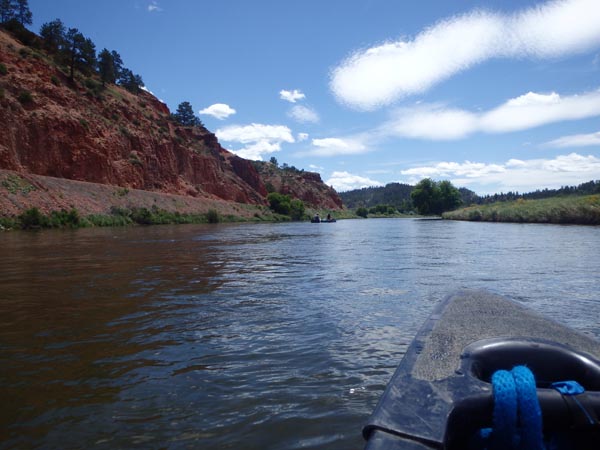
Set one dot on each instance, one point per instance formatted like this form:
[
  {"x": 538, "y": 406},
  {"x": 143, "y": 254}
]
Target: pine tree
[
  {"x": 130, "y": 81},
  {"x": 117, "y": 64},
  {"x": 73, "y": 42},
  {"x": 7, "y": 11},
  {"x": 80, "y": 53},
  {"x": 53, "y": 34},
  {"x": 88, "y": 59},
  {"x": 22, "y": 12},
  {"x": 106, "y": 67},
  {"x": 185, "y": 115}
]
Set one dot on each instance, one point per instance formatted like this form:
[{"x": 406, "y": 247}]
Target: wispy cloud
[
  {"x": 438, "y": 122},
  {"x": 303, "y": 114},
  {"x": 335, "y": 146},
  {"x": 345, "y": 181},
  {"x": 302, "y": 137},
  {"x": 512, "y": 175},
  {"x": 219, "y": 111},
  {"x": 378, "y": 76},
  {"x": 153, "y": 7},
  {"x": 257, "y": 139},
  {"x": 576, "y": 140},
  {"x": 291, "y": 96}
]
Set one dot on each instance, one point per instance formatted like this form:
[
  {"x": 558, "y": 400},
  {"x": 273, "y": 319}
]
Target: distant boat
[
  {"x": 317, "y": 219},
  {"x": 450, "y": 388}
]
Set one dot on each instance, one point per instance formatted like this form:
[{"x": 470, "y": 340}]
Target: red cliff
[{"x": 84, "y": 131}]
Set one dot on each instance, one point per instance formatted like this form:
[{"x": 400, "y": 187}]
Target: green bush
[
  {"x": 8, "y": 223},
  {"x": 25, "y": 97},
  {"x": 143, "y": 216},
  {"x": 283, "y": 204},
  {"x": 3, "y": 69},
  {"x": 212, "y": 216},
  {"x": 18, "y": 30},
  {"x": 279, "y": 203},
  {"x": 362, "y": 212},
  {"x": 55, "y": 81},
  {"x": 63, "y": 218},
  {"x": 33, "y": 219},
  {"x": 296, "y": 209}
]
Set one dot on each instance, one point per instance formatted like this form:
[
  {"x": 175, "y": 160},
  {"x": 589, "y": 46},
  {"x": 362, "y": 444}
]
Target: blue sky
[{"x": 493, "y": 95}]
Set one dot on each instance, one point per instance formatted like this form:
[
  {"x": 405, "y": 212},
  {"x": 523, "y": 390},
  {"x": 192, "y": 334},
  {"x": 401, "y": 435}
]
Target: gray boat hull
[{"x": 441, "y": 391}]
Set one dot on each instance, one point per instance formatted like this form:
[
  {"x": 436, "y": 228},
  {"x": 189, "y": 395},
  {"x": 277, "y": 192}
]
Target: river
[{"x": 248, "y": 336}]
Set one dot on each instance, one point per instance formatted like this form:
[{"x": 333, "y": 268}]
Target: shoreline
[{"x": 565, "y": 210}]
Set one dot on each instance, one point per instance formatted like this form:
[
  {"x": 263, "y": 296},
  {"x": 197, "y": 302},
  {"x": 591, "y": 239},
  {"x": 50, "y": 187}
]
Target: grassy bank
[
  {"x": 33, "y": 219},
  {"x": 583, "y": 210}
]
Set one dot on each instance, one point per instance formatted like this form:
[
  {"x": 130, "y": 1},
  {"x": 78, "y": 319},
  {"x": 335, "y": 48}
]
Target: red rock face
[{"x": 81, "y": 131}]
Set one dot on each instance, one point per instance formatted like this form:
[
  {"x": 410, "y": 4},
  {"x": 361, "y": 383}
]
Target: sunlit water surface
[{"x": 269, "y": 336}]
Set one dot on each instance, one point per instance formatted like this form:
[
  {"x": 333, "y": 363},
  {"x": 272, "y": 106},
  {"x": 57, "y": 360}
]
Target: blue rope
[
  {"x": 517, "y": 416},
  {"x": 530, "y": 413},
  {"x": 505, "y": 410}
]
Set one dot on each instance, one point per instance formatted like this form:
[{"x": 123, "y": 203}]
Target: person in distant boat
[
  {"x": 328, "y": 217},
  {"x": 317, "y": 218}
]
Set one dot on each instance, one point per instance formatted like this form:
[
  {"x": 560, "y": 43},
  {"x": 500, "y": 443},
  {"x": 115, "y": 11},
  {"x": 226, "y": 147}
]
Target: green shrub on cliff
[{"x": 25, "y": 97}]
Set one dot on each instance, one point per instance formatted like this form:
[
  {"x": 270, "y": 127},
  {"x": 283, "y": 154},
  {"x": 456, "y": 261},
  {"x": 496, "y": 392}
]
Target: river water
[{"x": 266, "y": 336}]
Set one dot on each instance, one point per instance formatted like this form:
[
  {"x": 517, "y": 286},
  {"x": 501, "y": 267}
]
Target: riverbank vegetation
[
  {"x": 284, "y": 205},
  {"x": 435, "y": 197},
  {"x": 569, "y": 209},
  {"x": 34, "y": 219}
]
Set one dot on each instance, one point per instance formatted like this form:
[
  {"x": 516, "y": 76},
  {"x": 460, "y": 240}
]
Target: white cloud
[
  {"x": 291, "y": 96},
  {"x": 383, "y": 74},
  {"x": 303, "y": 114},
  {"x": 513, "y": 175},
  {"x": 315, "y": 167},
  {"x": 258, "y": 139},
  {"x": 532, "y": 110},
  {"x": 344, "y": 181},
  {"x": 337, "y": 146},
  {"x": 434, "y": 122},
  {"x": 576, "y": 140},
  {"x": 302, "y": 137},
  {"x": 153, "y": 7},
  {"x": 218, "y": 110},
  {"x": 437, "y": 122}
]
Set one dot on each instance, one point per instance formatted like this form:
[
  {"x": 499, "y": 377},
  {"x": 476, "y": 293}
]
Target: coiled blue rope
[{"x": 517, "y": 417}]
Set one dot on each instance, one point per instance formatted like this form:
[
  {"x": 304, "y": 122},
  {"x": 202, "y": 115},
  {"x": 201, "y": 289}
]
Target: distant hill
[
  {"x": 398, "y": 195},
  {"x": 392, "y": 194}
]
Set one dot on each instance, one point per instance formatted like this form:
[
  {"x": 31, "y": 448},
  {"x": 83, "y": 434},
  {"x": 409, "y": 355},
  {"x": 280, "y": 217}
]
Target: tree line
[
  {"x": 17, "y": 10},
  {"x": 587, "y": 188},
  {"x": 403, "y": 196},
  {"x": 72, "y": 49},
  {"x": 78, "y": 52}
]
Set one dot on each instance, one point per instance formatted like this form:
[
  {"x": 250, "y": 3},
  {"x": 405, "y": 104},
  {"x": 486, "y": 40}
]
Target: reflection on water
[{"x": 272, "y": 336}]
